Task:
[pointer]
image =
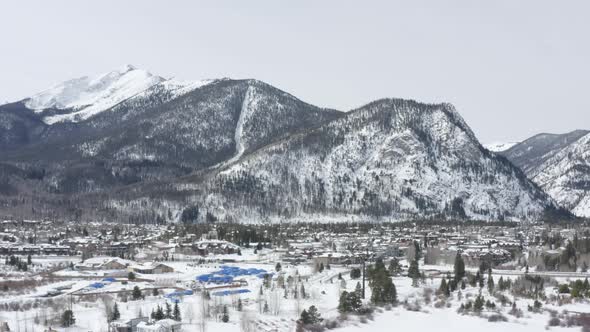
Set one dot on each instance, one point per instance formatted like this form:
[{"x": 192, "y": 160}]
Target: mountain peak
[
  {"x": 87, "y": 96},
  {"x": 127, "y": 67}
]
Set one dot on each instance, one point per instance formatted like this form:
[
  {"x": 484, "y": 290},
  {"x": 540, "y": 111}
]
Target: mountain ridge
[
  {"x": 560, "y": 164},
  {"x": 216, "y": 143}
]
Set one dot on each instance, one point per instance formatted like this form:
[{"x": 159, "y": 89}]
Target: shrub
[
  {"x": 564, "y": 289},
  {"x": 497, "y": 318},
  {"x": 554, "y": 321}
]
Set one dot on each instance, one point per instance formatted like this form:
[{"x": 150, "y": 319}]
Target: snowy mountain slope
[
  {"x": 166, "y": 131},
  {"x": 560, "y": 164},
  {"x": 87, "y": 96},
  {"x": 121, "y": 147},
  {"x": 499, "y": 146},
  {"x": 18, "y": 126},
  {"x": 532, "y": 153},
  {"x": 392, "y": 159}
]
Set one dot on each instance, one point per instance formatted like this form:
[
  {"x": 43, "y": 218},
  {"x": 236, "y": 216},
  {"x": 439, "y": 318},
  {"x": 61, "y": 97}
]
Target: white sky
[{"x": 512, "y": 68}]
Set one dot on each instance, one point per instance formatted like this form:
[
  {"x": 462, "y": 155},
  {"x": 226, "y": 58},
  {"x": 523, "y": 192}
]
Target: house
[
  {"x": 129, "y": 325},
  {"x": 151, "y": 268},
  {"x": 104, "y": 263},
  {"x": 216, "y": 247},
  {"x": 332, "y": 258},
  {"x": 164, "y": 325}
]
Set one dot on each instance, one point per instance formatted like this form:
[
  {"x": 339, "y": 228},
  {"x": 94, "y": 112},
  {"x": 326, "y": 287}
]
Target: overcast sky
[{"x": 511, "y": 68}]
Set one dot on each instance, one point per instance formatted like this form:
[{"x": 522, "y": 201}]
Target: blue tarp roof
[
  {"x": 231, "y": 292},
  {"x": 96, "y": 285},
  {"x": 227, "y": 273},
  {"x": 109, "y": 279},
  {"x": 179, "y": 293}
]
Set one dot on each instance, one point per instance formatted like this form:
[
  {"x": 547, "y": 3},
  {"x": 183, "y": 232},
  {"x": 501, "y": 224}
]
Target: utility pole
[{"x": 364, "y": 259}]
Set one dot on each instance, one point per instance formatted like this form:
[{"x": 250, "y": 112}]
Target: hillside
[
  {"x": 560, "y": 164},
  {"x": 130, "y": 144}
]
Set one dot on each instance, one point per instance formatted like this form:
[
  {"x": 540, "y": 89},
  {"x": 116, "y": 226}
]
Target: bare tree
[
  {"x": 274, "y": 301},
  {"x": 247, "y": 322},
  {"x": 189, "y": 313},
  {"x": 107, "y": 301},
  {"x": 203, "y": 314}
]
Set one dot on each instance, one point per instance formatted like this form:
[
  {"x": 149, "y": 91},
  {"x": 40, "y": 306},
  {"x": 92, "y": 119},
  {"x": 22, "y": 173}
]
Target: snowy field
[{"x": 263, "y": 307}]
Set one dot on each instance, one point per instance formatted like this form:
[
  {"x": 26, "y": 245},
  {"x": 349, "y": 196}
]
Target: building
[
  {"x": 129, "y": 325},
  {"x": 164, "y": 325},
  {"x": 104, "y": 263},
  {"x": 151, "y": 268},
  {"x": 215, "y": 247}
]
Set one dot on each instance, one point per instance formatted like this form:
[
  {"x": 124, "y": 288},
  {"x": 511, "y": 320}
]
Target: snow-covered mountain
[
  {"x": 139, "y": 147},
  {"x": 390, "y": 160},
  {"x": 560, "y": 164},
  {"x": 168, "y": 130},
  {"x": 83, "y": 97},
  {"x": 499, "y": 146}
]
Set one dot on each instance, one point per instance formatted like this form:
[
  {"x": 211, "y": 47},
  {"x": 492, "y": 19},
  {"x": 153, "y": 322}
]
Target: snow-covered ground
[
  {"x": 499, "y": 146},
  {"x": 90, "y": 305}
]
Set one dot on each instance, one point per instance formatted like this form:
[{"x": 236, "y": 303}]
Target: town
[{"x": 97, "y": 276}]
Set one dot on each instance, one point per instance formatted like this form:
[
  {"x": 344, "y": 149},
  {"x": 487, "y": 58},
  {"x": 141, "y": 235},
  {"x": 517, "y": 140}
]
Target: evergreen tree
[
  {"x": 176, "y": 313},
  {"x": 136, "y": 293},
  {"x": 168, "y": 311},
  {"x": 314, "y": 315},
  {"x": 115, "y": 314},
  {"x": 343, "y": 303},
  {"x": 354, "y": 301},
  {"x": 417, "y": 251},
  {"x": 490, "y": 284},
  {"x": 304, "y": 317},
  {"x": 478, "y": 303},
  {"x": 278, "y": 267},
  {"x": 459, "y": 267},
  {"x": 444, "y": 288},
  {"x": 414, "y": 272},
  {"x": 159, "y": 313},
  {"x": 394, "y": 267},
  {"x": 384, "y": 291},
  {"x": 266, "y": 309},
  {"x": 67, "y": 318},
  {"x": 240, "y": 306},
  {"x": 225, "y": 315}
]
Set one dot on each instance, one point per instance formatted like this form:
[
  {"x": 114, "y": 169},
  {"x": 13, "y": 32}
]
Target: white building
[{"x": 164, "y": 325}]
